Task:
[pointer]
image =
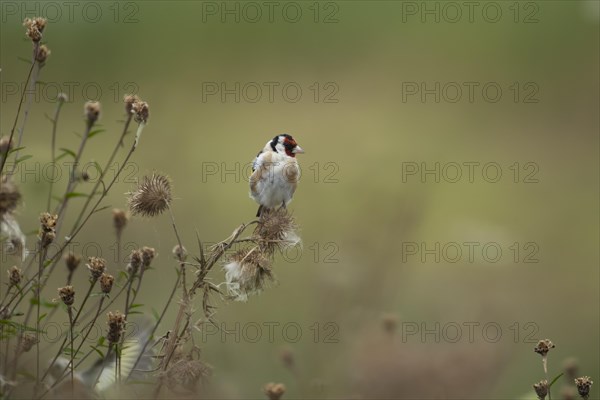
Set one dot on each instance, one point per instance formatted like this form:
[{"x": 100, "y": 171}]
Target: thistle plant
[{"x": 165, "y": 356}]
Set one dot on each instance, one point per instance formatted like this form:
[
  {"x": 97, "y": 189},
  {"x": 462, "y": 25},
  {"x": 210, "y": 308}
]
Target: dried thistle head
[
  {"x": 186, "y": 373},
  {"x": 35, "y": 27},
  {"x": 541, "y": 389},
  {"x": 96, "y": 266},
  {"x": 106, "y": 283},
  {"x": 277, "y": 229},
  {"x": 48, "y": 222},
  {"x": 67, "y": 295},
  {"x": 571, "y": 367},
  {"x": 584, "y": 384},
  {"x": 247, "y": 272},
  {"x": 274, "y": 391},
  {"x": 141, "y": 111},
  {"x": 135, "y": 262},
  {"x": 15, "y": 276},
  {"x": 72, "y": 261},
  {"x": 42, "y": 54},
  {"x": 119, "y": 220},
  {"x": 180, "y": 253},
  {"x": 148, "y": 254},
  {"x": 92, "y": 112},
  {"x": 389, "y": 323},
  {"x": 116, "y": 327},
  {"x": 10, "y": 197},
  {"x": 27, "y": 342},
  {"x": 543, "y": 347},
  {"x": 287, "y": 358},
  {"x": 152, "y": 196},
  {"x": 130, "y": 100}
]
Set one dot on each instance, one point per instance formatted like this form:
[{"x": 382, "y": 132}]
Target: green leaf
[
  {"x": 75, "y": 194},
  {"x": 155, "y": 314},
  {"x": 42, "y": 317},
  {"x": 24, "y": 60},
  {"x": 23, "y": 158},
  {"x": 555, "y": 379},
  {"x": 101, "y": 341},
  {"x": 16, "y": 149},
  {"x": 95, "y": 132},
  {"x": 135, "y": 306},
  {"x": 67, "y": 151},
  {"x": 100, "y": 353},
  {"x": 101, "y": 209}
]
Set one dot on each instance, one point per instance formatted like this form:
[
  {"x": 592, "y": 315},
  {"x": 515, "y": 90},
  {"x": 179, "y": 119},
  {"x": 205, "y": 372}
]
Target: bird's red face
[{"x": 291, "y": 147}]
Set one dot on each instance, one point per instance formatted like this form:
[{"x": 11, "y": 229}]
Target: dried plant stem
[
  {"x": 27, "y": 108},
  {"x": 103, "y": 174},
  {"x": 53, "y": 145},
  {"x": 157, "y": 324},
  {"x": 72, "y": 179},
  {"x": 12, "y": 130},
  {"x": 71, "y": 325},
  {"x": 60, "y": 350},
  {"x": 78, "y": 229},
  {"x": 37, "y": 321}
]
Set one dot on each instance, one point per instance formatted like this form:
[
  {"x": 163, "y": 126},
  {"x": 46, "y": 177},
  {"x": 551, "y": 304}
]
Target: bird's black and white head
[{"x": 285, "y": 144}]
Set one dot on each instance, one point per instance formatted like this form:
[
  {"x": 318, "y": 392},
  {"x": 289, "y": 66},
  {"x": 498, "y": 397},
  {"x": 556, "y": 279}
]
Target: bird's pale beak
[{"x": 298, "y": 150}]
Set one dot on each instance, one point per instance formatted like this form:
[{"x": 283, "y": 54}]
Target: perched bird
[{"x": 275, "y": 173}]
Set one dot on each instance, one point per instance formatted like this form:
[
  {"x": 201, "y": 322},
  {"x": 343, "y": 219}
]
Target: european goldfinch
[
  {"x": 99, "y": 379},
  {"x": 275, "y": 173}
]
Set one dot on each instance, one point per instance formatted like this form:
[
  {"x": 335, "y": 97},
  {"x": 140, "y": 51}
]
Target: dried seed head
[
  {"x": 6, "y": 145},
  {"x": 568, "y": 393},
  {"x": 5, "y": 312},
  {"x": 571, "y": 367},
  {"x": 584, "y": 384},
  {"x": 389, "y": 323},
  {"x": 116, "y": 327},
  {"x": 35, "y": 27},
  {"x": 72, "y": 260},
  {"x": 541, "y": 389},
  {"x": 140, "y": 111},
  {"x": 277, "y": 229},
  {"x": 288, "y": 359},
  {"x": 135, "y": 262},
  {"x": 186, "y": 373},
  {"x": 42, "y": 53},
  {"x": 10, "y": 197},
  {"x": 47, "y": 239},
  {"x": 130, "y": 100},
  {"x": 92, "y": 112},
  {"x": 274, "y": 391},
  {"x": 15, "y": 275},
  {"x": 106, "y": 283},
  {"x": 148, "y": 254},
  {"x": 180, "y": 253},
  {"x": 119, "y": 220},
  {"x": 62, "y": 97},
  {"x": 67, "y": 295},
  {"x": 247, "y": 272},
  {"x": 96, "y": 266},
  {"x": 48, "y": 222},
  {"x": 151, "y": 197},
  {"x": 27, "y": 342},
  {"x": 543, "y": 347}
]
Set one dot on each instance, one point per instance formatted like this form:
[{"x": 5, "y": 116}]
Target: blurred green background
[{"x": 355, "y": 63}]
